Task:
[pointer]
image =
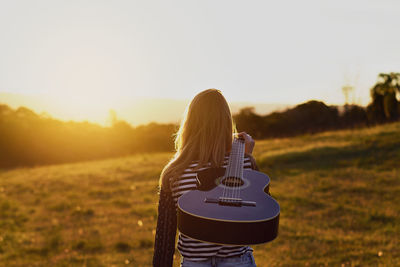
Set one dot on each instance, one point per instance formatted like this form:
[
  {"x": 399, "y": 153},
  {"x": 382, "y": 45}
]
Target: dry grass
[{"x": 339, "y": 194}]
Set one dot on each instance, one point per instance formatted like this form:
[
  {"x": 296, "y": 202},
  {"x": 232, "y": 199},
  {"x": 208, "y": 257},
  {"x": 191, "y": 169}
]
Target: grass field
[{"x": 339, "y": 194}]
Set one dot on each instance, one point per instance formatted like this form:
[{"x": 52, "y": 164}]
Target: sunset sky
[{"x": 90, "y": 56}]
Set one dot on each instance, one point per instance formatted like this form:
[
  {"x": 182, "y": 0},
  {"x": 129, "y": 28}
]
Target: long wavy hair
[{"x": 204, "y": 135}]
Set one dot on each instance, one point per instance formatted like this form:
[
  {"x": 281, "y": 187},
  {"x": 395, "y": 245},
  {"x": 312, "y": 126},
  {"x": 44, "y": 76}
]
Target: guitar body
[{"x": 249, "y": 218}]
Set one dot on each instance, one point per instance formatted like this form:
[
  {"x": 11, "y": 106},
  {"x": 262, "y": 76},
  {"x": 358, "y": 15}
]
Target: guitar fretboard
[{"x": 235, "y": 164}]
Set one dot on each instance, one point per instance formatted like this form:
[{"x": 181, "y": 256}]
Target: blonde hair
[{"x": 205, "y": 134}]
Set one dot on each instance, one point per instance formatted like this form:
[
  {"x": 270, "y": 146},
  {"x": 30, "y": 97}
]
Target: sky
[{"x": 96, "y": 55}]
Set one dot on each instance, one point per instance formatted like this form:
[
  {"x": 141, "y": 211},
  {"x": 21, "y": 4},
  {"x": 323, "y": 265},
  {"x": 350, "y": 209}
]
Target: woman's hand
[{"x": 248, "y": 141}]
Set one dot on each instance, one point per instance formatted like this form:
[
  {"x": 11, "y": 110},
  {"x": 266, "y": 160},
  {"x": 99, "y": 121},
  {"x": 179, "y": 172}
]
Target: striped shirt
[{"x": 192, "y": 249}]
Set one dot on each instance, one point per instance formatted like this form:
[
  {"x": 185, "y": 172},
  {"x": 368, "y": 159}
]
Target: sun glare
[{"x": 83, "y": 106}]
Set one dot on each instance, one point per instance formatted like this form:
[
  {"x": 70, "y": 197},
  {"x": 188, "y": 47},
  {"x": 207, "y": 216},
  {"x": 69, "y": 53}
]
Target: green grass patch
[{"x": 339, "y": 194}]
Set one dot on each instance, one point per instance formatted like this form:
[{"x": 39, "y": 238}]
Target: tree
[
  {"x": 247, "y": 120},
  {"x": 385, "y": 106}
]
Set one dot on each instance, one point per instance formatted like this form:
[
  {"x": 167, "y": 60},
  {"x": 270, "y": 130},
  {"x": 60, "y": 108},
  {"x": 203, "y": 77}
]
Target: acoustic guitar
[{"x": 231, "y": 206}]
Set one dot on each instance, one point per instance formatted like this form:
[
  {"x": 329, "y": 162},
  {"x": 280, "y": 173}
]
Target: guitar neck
[{"x": 236, "y": 159}]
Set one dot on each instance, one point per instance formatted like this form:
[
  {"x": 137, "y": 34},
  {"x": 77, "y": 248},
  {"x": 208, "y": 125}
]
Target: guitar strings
[
  {"x": 234, "y": 151},
  {"x": 236, "y": 169},
  {"x": 232, "y": 169},
  {"x": 233, "y": 175},
  {"x": 225, "y": 179},
  {"x": 241, "y": 169},
  {"x": 239, "y": 166}
]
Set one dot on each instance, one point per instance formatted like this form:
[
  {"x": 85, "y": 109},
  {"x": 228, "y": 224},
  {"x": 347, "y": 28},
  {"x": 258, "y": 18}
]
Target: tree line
[
  {"x": 28, "y": 139},
  {"x": 315, "y": 116}
]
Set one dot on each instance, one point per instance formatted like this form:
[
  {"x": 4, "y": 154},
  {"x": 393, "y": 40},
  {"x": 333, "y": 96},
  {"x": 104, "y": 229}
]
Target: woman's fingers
[{"x": 249, "y": 142}]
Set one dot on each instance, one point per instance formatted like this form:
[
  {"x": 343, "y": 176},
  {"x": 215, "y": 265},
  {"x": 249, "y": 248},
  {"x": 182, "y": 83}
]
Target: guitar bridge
[{"x": 228, "y": 201}]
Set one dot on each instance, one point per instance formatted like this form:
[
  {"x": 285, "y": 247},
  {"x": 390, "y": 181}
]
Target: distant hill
[{"x": 155, "y": 109}]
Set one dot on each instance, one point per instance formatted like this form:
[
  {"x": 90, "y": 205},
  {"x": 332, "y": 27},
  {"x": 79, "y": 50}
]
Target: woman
[{"x": 203, "y": 139}]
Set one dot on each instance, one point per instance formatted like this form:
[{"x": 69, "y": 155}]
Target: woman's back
[
  {"x": 205, "y": 135},
  {"x": 190, "y": 248}
]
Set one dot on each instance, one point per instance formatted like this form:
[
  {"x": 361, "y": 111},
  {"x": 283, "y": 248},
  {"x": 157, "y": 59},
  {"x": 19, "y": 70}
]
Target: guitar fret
[{"x": 236, "y": 158}]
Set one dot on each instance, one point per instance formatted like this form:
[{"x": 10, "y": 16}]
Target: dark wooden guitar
[{"x": 230, "y": 206}]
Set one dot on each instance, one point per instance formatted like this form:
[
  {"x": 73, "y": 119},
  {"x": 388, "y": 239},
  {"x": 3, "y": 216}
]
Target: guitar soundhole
[{"x": 232, "y": 181}]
